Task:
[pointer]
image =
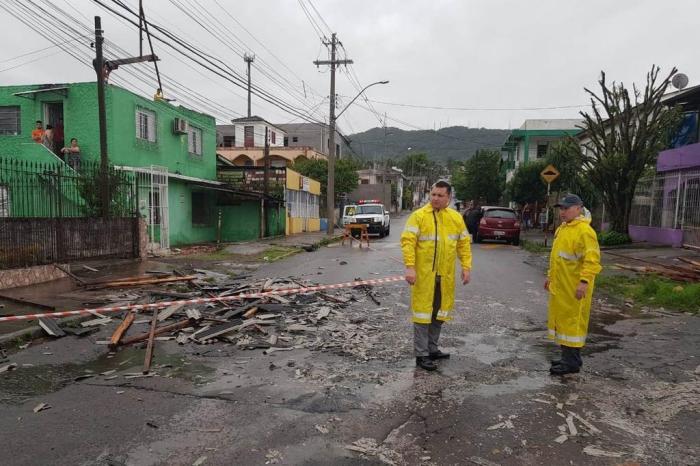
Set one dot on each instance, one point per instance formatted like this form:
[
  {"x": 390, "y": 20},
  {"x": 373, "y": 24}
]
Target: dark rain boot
[
  {"x": 424, "y": 362},
  {"x": 570, "y": 361}
]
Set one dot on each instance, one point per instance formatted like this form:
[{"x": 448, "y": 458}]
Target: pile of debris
[
  {"x": 276, "y": 322},
  {"x": 689, "y": 272}
]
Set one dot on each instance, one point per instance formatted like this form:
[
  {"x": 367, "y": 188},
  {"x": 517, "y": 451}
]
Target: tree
[
  {"x": 480, "y": 177},
  {"x": 526, "y": 185},
  {"x": 346, "y": 177},
  {"x": 625, "y": 138}
]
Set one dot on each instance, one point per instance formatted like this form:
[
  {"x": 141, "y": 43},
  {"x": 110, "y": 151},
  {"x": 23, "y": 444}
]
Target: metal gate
[
  {"x": 670, "y": 200},
  {"x": 152, "y": 183}
]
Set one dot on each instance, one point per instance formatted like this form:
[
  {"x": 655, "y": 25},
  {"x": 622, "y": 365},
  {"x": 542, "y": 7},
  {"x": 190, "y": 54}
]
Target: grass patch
[
  {"x": 534, "y": 246},
  {"x": 651, "y": 290}
]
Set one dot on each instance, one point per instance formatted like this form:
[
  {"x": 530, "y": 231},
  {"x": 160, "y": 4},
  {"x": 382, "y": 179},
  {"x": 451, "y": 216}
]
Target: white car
[{"x": 372, "y": 213}]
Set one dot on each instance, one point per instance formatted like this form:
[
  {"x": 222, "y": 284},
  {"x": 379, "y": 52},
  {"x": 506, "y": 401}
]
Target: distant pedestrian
[
  {"x": 433, "y": 238},
  {"x": 47, "y": 138},
  {"x": 38, "y": 132},
  {"x": 71, "y": 154},
  {"x": 527, "y": 217},
  {"x": 573, "y": 265},
  {"x": 472, "y": 218}
]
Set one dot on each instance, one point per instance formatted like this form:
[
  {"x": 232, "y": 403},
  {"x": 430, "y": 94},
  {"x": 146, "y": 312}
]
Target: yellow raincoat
[
  {"x": 575, "y": 257},
  {"x": 430, "y": 242}
]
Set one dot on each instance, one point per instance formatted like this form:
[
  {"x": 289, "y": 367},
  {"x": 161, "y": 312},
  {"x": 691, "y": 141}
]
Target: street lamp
[{"x": 330, "y": 189}]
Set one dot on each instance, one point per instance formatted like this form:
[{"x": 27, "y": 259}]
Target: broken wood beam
[
  {"x": 159, "y": 331},
  {"x": 149, "y": 347},
  {"x": 121, "y": 330},
  {"x": 146, "y": 281}
]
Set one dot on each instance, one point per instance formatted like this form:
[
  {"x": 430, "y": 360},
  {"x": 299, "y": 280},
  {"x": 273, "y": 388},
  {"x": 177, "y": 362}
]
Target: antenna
[{"x": 679, "y": 81}]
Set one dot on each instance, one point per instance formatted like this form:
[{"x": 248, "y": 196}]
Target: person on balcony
[
  {"x": 38, "y": 132},
  {"x": 71, "y": 154}
]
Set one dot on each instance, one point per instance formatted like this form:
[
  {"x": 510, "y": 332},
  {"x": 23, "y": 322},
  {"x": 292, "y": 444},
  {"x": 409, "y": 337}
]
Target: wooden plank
[
  {"x": 149, "y": 281},
  {"x": 159, "y": 331},
  {"x": 217, "y": 330},
  {"x": 149, "y": 346},
  {"x": 121, "y": 330}
]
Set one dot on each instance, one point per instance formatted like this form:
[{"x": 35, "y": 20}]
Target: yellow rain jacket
[
  {"x": 575, "y": 257},
  {"x": 430, "y": 242}
]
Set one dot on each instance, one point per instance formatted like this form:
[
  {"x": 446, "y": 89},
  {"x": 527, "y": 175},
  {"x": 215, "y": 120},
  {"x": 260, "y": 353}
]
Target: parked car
[{"x": 499, "y": 223}]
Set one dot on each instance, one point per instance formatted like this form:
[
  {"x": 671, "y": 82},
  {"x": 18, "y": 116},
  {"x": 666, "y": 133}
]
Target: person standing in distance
[
  {"x": 433, "y": 238},
  {"x": 573, "y": 265}
]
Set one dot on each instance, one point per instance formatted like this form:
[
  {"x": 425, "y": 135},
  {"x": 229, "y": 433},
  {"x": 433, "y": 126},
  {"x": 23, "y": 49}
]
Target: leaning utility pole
[
  {"x": 103, "y": 68},
  {"x": 330, "y": 189},
  {"x": 248, "y": 58}
]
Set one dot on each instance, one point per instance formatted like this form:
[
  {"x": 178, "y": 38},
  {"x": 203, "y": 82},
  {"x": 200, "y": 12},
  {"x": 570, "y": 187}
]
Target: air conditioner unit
[{"x": 180, "y": 126}]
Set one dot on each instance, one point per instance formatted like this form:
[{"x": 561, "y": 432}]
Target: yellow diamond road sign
[{"x": 549, "y": 174}]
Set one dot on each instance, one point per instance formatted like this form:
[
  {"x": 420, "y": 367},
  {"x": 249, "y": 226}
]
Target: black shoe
[
  {"x": 424, "y": 362},
  {"x": 439, "y": 355},
  {"x": 555, "y": 362},
  {"x": 563, "y": 369}
]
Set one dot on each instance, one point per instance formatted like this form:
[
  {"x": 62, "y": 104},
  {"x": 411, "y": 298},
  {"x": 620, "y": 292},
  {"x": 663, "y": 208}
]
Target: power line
[
  {"x": 475, "y": 109},
  {"x": 207, "y": 61}
]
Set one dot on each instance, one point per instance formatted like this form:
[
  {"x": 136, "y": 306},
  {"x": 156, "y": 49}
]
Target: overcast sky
[{"x": 479, "y": 55}]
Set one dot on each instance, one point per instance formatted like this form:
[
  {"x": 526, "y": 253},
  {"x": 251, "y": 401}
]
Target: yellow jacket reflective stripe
[
  {"x": 575, "y": 257},
  {"x": 434, "y": 252}
]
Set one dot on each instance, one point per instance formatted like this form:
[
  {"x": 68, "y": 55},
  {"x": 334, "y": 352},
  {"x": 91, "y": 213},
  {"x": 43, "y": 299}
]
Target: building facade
[
  {"x": 532, "y": 140},
  {"x": 170, "y": 149}
]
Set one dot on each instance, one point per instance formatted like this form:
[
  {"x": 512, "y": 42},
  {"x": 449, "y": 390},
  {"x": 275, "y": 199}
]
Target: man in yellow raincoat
[
  {"x": 433, "y": 238},
  {"x": 573, "y": 264}
]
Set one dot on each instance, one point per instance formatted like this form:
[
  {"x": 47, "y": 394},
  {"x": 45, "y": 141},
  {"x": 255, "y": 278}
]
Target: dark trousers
[
  {"x": 571, "y": 356},
  {"x": 426, "y": 336}
]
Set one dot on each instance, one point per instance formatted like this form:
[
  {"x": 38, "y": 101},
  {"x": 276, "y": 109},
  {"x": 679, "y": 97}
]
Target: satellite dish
[{"x": 679, "y": 81}]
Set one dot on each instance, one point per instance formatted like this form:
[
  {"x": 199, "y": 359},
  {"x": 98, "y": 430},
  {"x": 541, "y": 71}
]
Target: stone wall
[{"x": 30, "y": 276}]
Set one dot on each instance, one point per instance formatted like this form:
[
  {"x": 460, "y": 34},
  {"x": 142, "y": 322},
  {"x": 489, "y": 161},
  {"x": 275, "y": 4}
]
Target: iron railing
[{"x": 50, "y": 212}]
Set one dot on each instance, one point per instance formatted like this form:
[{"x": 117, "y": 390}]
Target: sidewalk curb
[{"x": 34, "y": 332}]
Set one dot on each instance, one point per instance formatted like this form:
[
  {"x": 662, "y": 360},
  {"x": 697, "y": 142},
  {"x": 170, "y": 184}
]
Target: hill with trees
[{"x": 452, "y": 143}]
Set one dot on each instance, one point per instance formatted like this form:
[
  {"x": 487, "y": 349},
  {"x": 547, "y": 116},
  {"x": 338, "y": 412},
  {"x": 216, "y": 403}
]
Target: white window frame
[
  {"x": 194, "y": 141},
  {"x": 145, "y": 120}
]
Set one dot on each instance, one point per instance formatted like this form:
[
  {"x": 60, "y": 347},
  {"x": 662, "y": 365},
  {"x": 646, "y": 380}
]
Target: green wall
[
  {"x": 240, "y": 222},
  {"x": 182, "y": 230}
]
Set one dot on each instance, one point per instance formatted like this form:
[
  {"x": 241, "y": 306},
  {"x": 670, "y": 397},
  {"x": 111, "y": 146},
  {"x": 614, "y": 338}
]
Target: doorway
[{"x": 53, "y": 116}]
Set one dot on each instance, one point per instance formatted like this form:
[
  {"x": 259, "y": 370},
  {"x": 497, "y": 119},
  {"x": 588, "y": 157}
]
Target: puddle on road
[{"x": 26, "y": 382}]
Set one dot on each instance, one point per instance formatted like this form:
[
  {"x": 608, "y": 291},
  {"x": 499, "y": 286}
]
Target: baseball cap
[{"x": 568, "y": 201}]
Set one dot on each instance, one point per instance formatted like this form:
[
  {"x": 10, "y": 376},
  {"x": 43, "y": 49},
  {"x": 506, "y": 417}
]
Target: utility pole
[
  {"x": 102, "y": 116},
  {"x": 330, "y": 189},
  {"x": 103, "y": 68},
  {"x": 266, "y": 183},
  {"x": 249, "y": 58}
]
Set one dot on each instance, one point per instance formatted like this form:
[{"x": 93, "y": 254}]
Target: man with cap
[{"x": 573, "y": 265}]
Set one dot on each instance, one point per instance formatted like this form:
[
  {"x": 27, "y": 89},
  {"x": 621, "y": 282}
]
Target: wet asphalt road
[{"x": 493, "y": 401}]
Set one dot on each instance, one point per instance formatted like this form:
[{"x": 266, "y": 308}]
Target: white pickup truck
[{"x": 370, "y": 212}]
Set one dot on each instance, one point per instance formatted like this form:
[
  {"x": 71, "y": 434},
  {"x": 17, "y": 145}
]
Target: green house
[{"x": 169, "y": 149}]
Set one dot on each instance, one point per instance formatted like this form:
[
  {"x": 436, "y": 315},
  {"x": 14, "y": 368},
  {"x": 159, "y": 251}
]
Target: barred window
[
  {"x": 10, "y": 120},
  {"x": 145, "y": 125},
  {"x": 194, "y": 140}
]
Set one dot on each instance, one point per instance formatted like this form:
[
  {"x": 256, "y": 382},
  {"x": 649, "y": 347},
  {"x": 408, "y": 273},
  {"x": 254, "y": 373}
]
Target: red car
[{"x": 499, "y": 223}]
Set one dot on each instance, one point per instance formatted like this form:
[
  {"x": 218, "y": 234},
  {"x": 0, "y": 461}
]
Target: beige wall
[{"x": 279, "y": 156}]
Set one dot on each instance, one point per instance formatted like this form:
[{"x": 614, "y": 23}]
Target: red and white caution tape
[{"x": 140, "y": 307}]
